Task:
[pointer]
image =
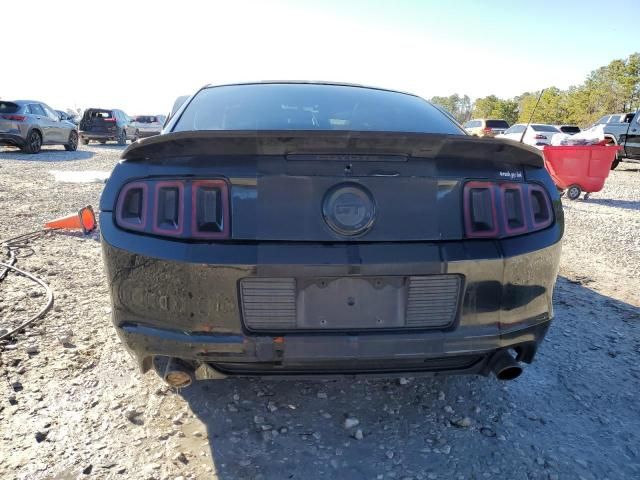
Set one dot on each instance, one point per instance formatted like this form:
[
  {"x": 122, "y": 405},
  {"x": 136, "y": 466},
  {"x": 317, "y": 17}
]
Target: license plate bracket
[{"x": 338, "y": 303}]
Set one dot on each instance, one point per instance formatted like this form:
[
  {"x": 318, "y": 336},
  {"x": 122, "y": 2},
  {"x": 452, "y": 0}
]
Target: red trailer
[{"x": 579, "y": 168}]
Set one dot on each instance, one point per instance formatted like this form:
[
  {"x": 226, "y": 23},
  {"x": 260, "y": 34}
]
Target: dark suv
[{"x": 107, "y": 124}]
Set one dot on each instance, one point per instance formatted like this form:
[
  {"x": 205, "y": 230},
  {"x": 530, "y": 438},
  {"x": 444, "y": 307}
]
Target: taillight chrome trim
[
  {"x": 224, "y": 199},
  {"x": 120, "y": 220},
  {"x": 155, "y": 228},
  {"x": 467, "y": 209}
]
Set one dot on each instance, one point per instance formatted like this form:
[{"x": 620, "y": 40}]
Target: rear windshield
[
  {"x": 544, "y": 128},
  {"x": 9, "y": 107},
  {"x": 570, "y": 129},
  {"x": 497, "y": 124},
  {"x": 98, "y": 114},
  {"x": 146, "y": 119},
  {"x": 311, "y": 107}
]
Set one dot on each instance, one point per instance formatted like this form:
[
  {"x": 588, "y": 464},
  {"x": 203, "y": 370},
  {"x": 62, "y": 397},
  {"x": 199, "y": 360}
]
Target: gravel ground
[{"x": 72, "y": 404}]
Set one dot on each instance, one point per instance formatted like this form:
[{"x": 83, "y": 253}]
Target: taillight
[
  {"x": 480, "y": 209},
  {"x": 168, "y": 208},
  {"x": 131, "y": 209},
  {"x": 209, "y": 209},
  {"x": 494, "y": 210},
  {"x": 486, "y": 130},
  {"x": 110, "y": 119},
  {"x": 190, "y": 209},
  {"x": 540, "y": 207},
  {"x": 15, "y": 118}
]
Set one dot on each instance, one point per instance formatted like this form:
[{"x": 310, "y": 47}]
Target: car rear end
[
  {"x": 148, "y": 125},
  {"x": 540, "y": 135},
  {"x": 323, "y": 248},
  {"x": 14, "y": 124},
  {"x": 492, "y": 128},
  {"x": 98, "y": 124}
]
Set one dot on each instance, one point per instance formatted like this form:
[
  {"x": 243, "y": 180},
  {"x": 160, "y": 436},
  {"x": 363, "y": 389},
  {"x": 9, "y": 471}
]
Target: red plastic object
[{"x": 587, "y": 166}]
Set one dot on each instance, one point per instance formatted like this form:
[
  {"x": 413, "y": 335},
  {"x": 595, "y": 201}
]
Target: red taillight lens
[
  {"x": 15, "y": 118},
  {"x": 494, "y": 210},
  {"x": 486, "y": 130},
  {"x": 110, "y": 119},
  {"x": 190, "y": 209}
]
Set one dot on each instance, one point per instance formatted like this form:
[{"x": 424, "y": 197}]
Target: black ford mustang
[{"x": 298, "y": 229}]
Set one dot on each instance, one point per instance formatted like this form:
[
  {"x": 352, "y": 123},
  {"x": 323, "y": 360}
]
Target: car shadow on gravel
[
  {"x": 549, "y": 422},
  {"x": 47, "y": 154},
  {"x": 628, "y": 204}
]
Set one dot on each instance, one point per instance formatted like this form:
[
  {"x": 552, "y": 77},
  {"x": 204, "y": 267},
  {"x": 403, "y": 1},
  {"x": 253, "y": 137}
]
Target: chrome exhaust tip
[
  {"x": 174, "y": 372},
  {"x": 504, "y": 366}
]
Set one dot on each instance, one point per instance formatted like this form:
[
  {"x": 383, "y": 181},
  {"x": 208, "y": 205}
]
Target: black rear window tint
[
  {"x": 9, "y": 107},
  {"x": 311, "y": 107},
  {"x": 544, "y": 128},
  {"x": 497, "y": 124},
  {"x": 146, "y": 119},
  {"x": 569, "y": 129},
  {"x": 92, "y": 113}
]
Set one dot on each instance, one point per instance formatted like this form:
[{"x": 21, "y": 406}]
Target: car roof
[
  {"x": 309, "y": 82},
  {"x": 22, "y": 102}
]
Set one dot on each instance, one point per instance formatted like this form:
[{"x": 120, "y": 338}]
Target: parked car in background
[
  {"x": 616, "y": 118},
  {"x": 104, "y": 125},
  {"x": 626, "y": 133},
  {"x": 310, "y": 229},
  {"x": 29, "y": 124},
  {"x": 148, "y": 125},
  {"x": 536, "y": 135},
  {"x": 568, "y": 129},
  {"x": 485, "y": 127}
]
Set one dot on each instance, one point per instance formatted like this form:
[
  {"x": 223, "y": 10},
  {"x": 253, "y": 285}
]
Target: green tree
[
  {"x": 458, "y": 106},
  {"x": 497, "y": 108},
  {"x": 609, "y": 89},
  {"x": 552, "y": 107}
]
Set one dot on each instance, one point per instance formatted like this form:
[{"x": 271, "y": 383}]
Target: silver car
[{"x": 29, "y": 124}]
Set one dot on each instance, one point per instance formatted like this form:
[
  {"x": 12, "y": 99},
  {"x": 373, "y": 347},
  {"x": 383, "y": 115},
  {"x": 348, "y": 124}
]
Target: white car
[
  {"x": 537, "y": 134},
  {"x": 148, "y": 125}
]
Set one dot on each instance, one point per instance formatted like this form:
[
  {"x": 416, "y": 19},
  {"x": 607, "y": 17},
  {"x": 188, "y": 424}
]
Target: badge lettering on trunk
[{"x": 349, "y": 209}]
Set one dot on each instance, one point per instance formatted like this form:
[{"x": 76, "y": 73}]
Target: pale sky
[{"x": 140, "y": 55}]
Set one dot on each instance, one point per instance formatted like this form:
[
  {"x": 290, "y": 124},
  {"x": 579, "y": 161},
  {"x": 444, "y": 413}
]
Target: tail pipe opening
[
  {"x": 504, "y": 366},
  {"x": 174, "y": 372}
]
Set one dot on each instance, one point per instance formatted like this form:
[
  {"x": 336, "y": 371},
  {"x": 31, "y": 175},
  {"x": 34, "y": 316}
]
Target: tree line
[{"x": 613, "y": 88}]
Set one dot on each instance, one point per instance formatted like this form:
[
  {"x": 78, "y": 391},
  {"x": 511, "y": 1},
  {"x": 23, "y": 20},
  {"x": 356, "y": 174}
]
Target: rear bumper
[
  {"x": 312, "y": 355},
  {"x": 98, "y": 135},
  {"x": 181, "y": 300},
  {"x": 12, "y": 140},
  {"x": 146, "y": 134}
]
